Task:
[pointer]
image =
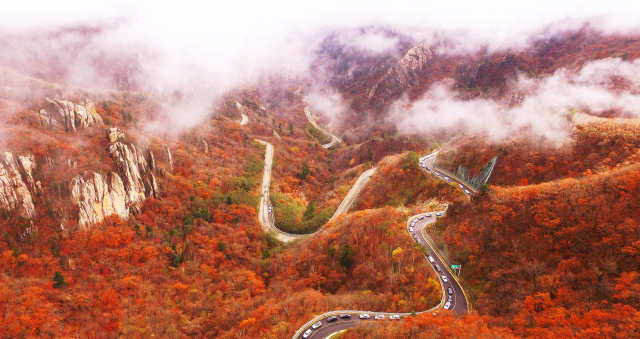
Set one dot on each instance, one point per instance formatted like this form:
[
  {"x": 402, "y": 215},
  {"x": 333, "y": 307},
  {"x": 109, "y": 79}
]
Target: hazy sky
[
  {"x": 233, "y": 20},
  {"x": 228, "y": 30},
  {"x": 216, "y": 44}
]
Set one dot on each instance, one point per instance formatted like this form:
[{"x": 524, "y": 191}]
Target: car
[
  {"x": 431, "y": 259},
  {"x": 427, "y": 168},
  {"x": 447, "y": 305},
  {"x": 411, "y": 229},
  {"x": 444, "y": 278},
  {"x": 429, "y": 215},
  {"x": 446, "y": 178},
  {"x": 439, "y": 214},
  {"x": 307, "y": 333},
  {"x": 467, "y": 191},
  {"x": 460, "y": 186},
  {"x": 450, "y": 298},
  {"x": 345, "y": 316},
  {"x": 316, "y": 325},
  {"x": 332, "y": 319},
  {"x": 421, "y": 217},
  {"x": 394, "y": 317},
  {"x": 370, "y": 175},
  {"x": 438, "y": 268},
  {"x": 365, "y": 316},
  {"x": 380, "y": 317},
  {"x": 449, "y": 290}
]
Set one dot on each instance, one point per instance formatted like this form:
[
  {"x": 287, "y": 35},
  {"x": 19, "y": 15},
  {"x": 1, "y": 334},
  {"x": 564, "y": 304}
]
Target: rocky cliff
[
  {"x": 406, "y": 73},
  {"x": 119, "y": 192},
  {"x": 14, "y": 192},
  {"x": 132, "y": 165},
  {"x": 73, "y": 115},
  {"x": 98, "y": 196}
]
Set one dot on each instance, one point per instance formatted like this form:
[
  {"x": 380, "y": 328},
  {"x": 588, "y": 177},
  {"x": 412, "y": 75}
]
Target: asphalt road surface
[
  {"x": 426, "y": 163},
  {"x": 244, "y": 120},
  {"x": 353, "y": 193}
]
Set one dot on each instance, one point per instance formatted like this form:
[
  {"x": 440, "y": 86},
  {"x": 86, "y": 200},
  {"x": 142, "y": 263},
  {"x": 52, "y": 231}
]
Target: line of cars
[
  {"x": 423, "y": 164},
  {"x": 444, "y": 278},
  {"x": 346, "y": 316}
]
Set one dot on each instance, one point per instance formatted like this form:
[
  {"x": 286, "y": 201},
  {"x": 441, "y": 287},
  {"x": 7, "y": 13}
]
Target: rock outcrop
[
  {"x": 137, "y": 175},
  {"x": 119, "y": 192},
  {"x": 46, "y": 120},
  {"x": 168, "y": 158},
  {"x": 98, "y": 196},
  {"x": 406, "y": 73},
  {"x": 115, "y": 134},
  {"x": 14, "y": 192},
  {"x": 28, "y": 164},
  {"x": 75, "y": 116}
]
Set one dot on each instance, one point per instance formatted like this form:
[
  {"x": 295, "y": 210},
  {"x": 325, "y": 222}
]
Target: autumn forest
[{"x": 117, "y": 226}]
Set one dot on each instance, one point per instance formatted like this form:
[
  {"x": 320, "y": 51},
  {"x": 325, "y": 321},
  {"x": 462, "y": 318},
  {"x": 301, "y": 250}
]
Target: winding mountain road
[
  {"x": 427, "y": 163},
  {"x": 244, "y": 120},
  {"x": 266, "y": 213},
  {"x": 334, "y": 139},
  {"x": 454, "y": 297}
]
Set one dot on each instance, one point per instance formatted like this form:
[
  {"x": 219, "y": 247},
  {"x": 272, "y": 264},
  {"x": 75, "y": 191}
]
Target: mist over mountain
[{"x": 243, "y": 170}]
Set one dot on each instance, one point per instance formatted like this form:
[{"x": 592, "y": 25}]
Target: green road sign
[{"x": 455, "y": 266}]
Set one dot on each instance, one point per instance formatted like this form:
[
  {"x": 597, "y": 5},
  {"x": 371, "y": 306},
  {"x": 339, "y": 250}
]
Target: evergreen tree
[
  {"x": 345, "y": 259},
  {"x": 304, "y": 171},
  {"x": 311, "y": 212},
  {"x": 58, "y": 280}
]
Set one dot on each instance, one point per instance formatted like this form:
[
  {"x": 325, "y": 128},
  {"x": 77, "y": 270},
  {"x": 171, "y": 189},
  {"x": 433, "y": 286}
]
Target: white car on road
[
  {"x": 380, "y": 317},
  {"x": 365, "y": 316},
  {"x": 431, "y": 260},
  {"x": 307, "y": 333},
  {"x": 316, "y": 325},
  {"x": 444, "y": 278},
  {"x": 447, "y": 305}
]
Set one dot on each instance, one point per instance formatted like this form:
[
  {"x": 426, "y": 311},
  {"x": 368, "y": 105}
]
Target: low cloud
[
  {"x": 327, "y": 103},
  {"x": 544, "y": 110},
  {"x": 203, "y": 50},
  {"x": 439, "y": 109},
  {"x": 371, "y": 42}
]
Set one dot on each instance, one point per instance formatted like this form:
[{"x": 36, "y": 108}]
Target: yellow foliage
[{"x": 396, "y": 252}]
